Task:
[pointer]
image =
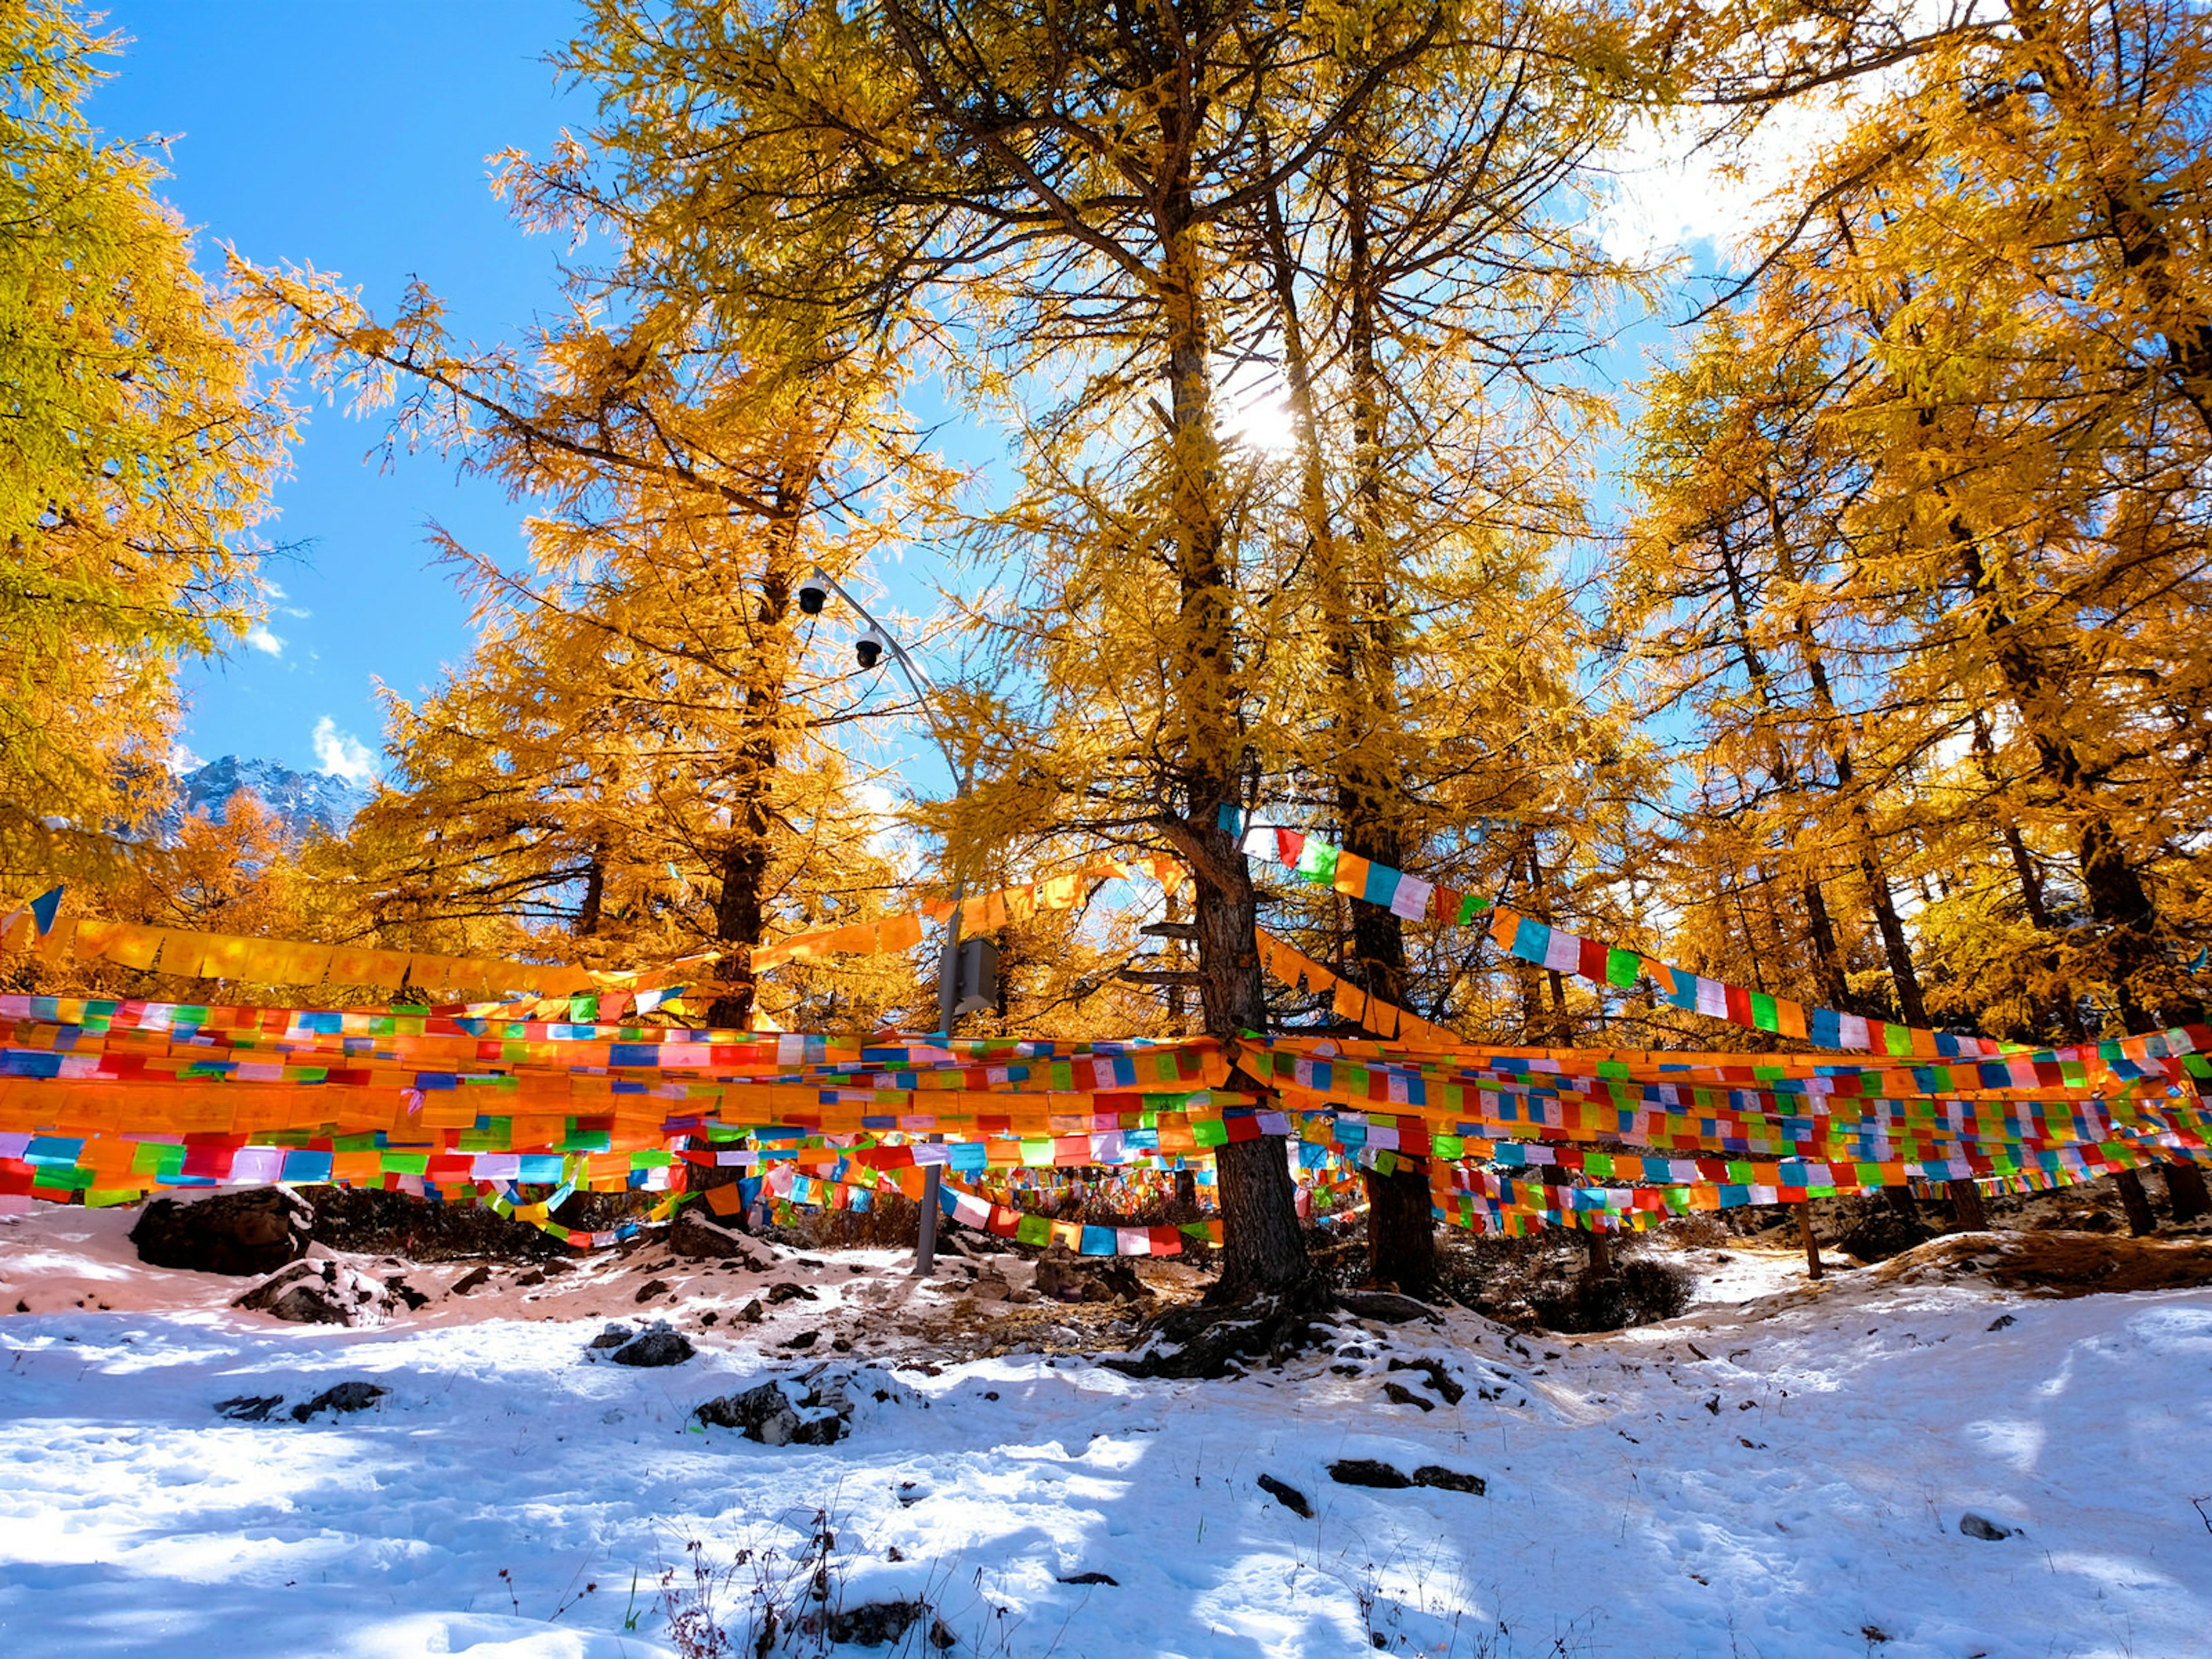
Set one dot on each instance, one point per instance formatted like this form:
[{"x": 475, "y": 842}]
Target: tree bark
[
  {"x": 1966, "y": 1209},
  {"x": 740, "y": 908},
  {"x": 1911, "y": 1007},
  {"x": 2186, "y": 1192},
  {"x": 1601, "y": 1254},
  {"x": 2135, "y": 1202},
  {"x": 1263, "y": 1252},
  {"x": 1819, "y": 931},
  {"x": 1401, "y": 1224}
]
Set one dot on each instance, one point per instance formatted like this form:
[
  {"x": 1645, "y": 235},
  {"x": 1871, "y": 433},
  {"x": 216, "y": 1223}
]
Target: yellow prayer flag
[
  {"x": 385, "y": 970},
  {"x": 226, "y": 955},
  {"x": 351, "y": 964},
  {"x": 56, "y": 945},
  {"x": 132, "y": 946},
  {"x": 94, "y": 937},
  {"x": 183, "y": 953}
]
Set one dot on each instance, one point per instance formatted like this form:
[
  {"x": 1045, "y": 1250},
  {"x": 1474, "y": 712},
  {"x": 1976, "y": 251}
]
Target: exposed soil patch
[{"x": 2061, "y": 1264}]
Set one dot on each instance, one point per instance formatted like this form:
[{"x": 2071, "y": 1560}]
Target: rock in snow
[
  {"x": 657, "y": 1345},
  {"x": 763, "y": 1413},
  {"x": 321, "y": 1293},
  {"x": 1287, "y": 1494},
  {"x": 345, "y": 1397},
  {"x": 244, "y": 1234},
  {"x": 1977, "y": 1525}
]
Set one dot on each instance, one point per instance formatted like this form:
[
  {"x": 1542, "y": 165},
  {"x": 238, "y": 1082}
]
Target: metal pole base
[{"x": 925, "y": 1254}]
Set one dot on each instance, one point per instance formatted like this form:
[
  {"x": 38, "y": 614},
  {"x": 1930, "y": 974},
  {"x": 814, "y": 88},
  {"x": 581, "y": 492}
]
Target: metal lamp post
[{"x": 811, "y": 594}]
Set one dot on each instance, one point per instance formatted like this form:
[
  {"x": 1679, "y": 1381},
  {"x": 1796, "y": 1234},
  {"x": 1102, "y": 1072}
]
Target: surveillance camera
[
  {"x": 812, "y": 596},
  {"x": 869, "y": 649}
]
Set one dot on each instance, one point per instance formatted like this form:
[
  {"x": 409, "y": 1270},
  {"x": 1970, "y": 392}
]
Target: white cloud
[
  {"x": 182, "y": 760},
  {"x": 1672, "y": 192},
  {"x": 888, "y": 838},
  {"x": 262, "y": 639},
  {"x": 275, "y": 592},
  {"x": 340, "y": 754}
]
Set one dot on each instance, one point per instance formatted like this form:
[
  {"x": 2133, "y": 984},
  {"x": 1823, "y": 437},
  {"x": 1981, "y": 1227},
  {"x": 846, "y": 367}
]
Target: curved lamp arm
[{"x": 925, "y": 689}]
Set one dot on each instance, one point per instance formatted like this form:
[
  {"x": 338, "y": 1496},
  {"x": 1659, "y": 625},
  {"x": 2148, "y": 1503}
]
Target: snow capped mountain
[{"x": 304, "y": 802}]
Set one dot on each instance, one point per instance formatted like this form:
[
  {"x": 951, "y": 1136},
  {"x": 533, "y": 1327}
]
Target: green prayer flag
[{"x": 1621, "y": 967}]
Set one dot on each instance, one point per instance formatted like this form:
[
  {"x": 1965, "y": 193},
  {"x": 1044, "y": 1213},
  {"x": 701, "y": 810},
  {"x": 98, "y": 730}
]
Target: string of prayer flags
[
  {"x": 1555, "y": 948},
  {"x": 191, "y": 953},
  {"x": 29, "y": 919},
  {"x": 1314, "y": 860},
  {"x": 1348, "y": 1000},
  {"x": 1602, "y": 965},
  {"x": 1026, "y": 1227}
]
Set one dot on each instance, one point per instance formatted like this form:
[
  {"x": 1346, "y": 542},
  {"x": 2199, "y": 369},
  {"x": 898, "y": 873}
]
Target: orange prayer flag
[
  {"x": 901, "y": 933},
  {"x": 1349, "y": 1002},
  {"x": 1351, "y": 874},
  {"x": 58, "y": 945}
]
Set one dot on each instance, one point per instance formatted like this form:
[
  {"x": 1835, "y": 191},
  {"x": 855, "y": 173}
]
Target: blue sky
[
  {"x": 352, "y": 138},
  {"x": 355, "y": 137}
]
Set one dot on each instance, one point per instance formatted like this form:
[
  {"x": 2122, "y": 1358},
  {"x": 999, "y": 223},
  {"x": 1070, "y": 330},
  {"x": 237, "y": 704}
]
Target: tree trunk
[
  {"x": 1601, "y": 1254},
  {"x": 2118, "y": 898},
  {"x": 1262, "y": 1253},
  {"x": 1911, "y": 1007},
  {"x": 1966, "y": 1207},
  {"x": 1819, "y": 931},
  {"x": 1400, "y": 1229},
  {"x": 589, "y": 913},
  {"x": 2185, "y": 1192},
  {"x": 2136, "y": 1202},
  {"x": 740, "y": 908},
  {"x": 1813, "y": 1268}
]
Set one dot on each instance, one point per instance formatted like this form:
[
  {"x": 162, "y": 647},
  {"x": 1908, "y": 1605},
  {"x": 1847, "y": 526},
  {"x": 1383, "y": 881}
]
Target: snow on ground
[{"x": 1780, "y": 1478}]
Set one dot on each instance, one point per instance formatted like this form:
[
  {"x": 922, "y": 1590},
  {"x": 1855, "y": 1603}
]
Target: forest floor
[{"x": 1781, "y": 1471}]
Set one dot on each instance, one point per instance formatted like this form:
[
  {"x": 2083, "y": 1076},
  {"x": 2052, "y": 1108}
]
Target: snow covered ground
[{"x": 1777, "y": 1478}]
